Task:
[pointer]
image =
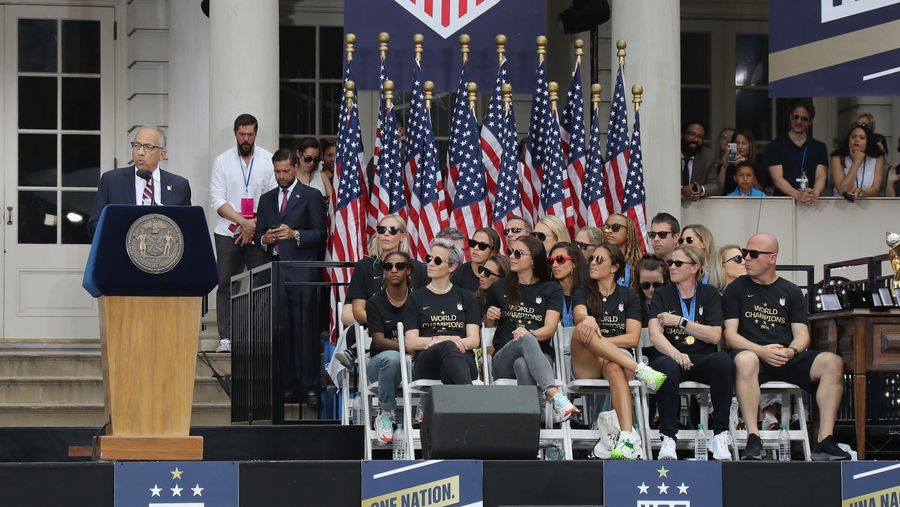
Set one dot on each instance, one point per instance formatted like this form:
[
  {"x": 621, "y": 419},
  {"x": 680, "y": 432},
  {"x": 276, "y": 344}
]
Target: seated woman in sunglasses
[
  {"x": 495, "y": 268},
  {"x": 686, "y": 327},
  {"x": 732, "y": 263},
  {"x": 608, "y": 318},
  {"x": 525, "y": 308},
  {"x": 384, "y": 310},
  {"x": 570, "y": 269},
  {"x": 550, "y": 230},
  {"x": 587, "y": 239},
  {"x": 651, "y": 274},
  {"x": 484, "y": 243},
  {"x": 701, "y": 237},
  {"x": 442, "y": 322},
  {"x": 620, "y": 231}
]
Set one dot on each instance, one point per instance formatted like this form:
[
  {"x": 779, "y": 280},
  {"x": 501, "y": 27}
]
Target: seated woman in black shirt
[
  {"x": 526, "y": 309},
  {"x": 484, "y": 243},
  {"x": 494, "y": 269},
  {"x": 441, "y": 321},
  {"x": 608, "y": 318},
  {"x": 570, "y": 269},
  {"x": 685, "y": 327}
]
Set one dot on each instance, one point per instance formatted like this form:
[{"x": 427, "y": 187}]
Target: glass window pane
[
  {"x": 298, "y": 108},
  {"x": 753, "y": 111},
  {"x": 696, "y": 58},
  {"x": 37, "y": 45},
  {"x": 331, "y": 48},
  {"x": 37, "y": 160},
  {"x": 37, "y": 216},
  {"x": 441, "y": 110},
  {"x": 289, "y": 142},
  {"x": 297, "y": 46},
  {"x": 695, "y": 106},
  {"x": 76, "y": 210},
  {"x": 751, "y": 60},
  {"x": 37, "y": 102},
  {"x": 81, "y": 47},
  {"x": 80, "y": 160},
  {"x": 81, "y": 103},
  {"x": 330, "y": 100}
]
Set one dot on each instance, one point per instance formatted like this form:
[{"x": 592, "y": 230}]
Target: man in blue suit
[
  {"x": 144, "y": 183},
  {"x": 291, "y": 227}
]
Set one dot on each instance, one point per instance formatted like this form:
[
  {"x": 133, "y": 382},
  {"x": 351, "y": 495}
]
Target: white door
[{"x": 59, "y": 99}]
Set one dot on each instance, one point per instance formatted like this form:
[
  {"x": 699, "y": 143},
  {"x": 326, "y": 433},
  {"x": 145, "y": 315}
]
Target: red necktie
[
  {"x": 148, "y": 192},
  {"x": 284, "y": 199}
]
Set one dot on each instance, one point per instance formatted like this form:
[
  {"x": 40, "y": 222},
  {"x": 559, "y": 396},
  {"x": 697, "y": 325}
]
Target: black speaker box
[{"x": 481, "y": 422}]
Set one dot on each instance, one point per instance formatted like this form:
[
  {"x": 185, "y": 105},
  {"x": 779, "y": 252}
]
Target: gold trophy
[{"x": 893, "y": 242}]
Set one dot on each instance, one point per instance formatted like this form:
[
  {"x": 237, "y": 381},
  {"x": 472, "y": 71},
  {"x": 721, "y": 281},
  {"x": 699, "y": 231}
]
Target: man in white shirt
[{"x": 240, "y": 175}]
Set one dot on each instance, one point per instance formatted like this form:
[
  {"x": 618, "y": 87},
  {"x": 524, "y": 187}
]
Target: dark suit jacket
[
  {"x": 703, "y": 172},
  {"x": 117, "y": 187},
  {"x": 304, "y": 212}
]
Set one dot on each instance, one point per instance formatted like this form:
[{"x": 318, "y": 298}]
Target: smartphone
[
  {"x": 732, "y": 152},
  {"x": 849, "y": 196}
]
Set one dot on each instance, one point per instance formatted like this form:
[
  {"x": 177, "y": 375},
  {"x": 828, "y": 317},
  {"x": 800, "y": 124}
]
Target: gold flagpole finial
[
  {"x": 637, "y": 92},
  {"x": 388, "y": 94},
  {"x": 472, "y": 90},
  {"x": 507, "y": 96},
  {"x": 579, "y": 49},
  {"x": 383, "y": 39},
  {"x": 541, "y": 47},
  {"x": 620, "y": 46},
  {"x": 553, "y": 90},
  {"x": 464, "y": 41},
  {"x": 419, "y": 41},
  {"x": 596, "y": 91},
  {"x": 429, "y": 93},
  {"x": 501, "y": 47},
  {"x": 350, "y": 40},
  {"x": 350, "y": 93}
]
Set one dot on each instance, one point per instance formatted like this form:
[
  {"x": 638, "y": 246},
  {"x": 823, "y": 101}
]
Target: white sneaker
[
  {"x": 224, "y": 345},
  {"x": 384, "y": 427},
  {"x": 719, "y": 446},
  {"x": 627, "y": 447},
  {"x": 667, "y": 451},
  {"x": 563, "y": 407},
  {"x": 651, "y": 378}
]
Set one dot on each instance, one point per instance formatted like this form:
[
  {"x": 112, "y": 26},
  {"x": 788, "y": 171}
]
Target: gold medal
[{"x": 689, "y": 340}]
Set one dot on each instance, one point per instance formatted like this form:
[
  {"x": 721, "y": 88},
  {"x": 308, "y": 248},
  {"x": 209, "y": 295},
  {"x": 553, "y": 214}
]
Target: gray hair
[
  {"x": 456, "y": 256},
  {"x": 451, "y": 233},
  {"x": 159, "y": 132}
]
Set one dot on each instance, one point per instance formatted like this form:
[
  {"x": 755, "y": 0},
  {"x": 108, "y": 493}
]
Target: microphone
[{"x": 146, "y": 175}]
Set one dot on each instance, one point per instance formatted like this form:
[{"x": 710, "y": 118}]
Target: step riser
[
  {"x": 84, "y": 366},
  {"x": 87, "y": 391}
]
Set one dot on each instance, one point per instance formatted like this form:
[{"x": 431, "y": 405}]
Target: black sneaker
[
  {"x": 827, "y": 450},
  {"x": 346, "y": 357},
  {"x": 754, "y": 449}
]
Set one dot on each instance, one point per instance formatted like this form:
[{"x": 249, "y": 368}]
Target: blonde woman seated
[{"x": 550, "y": 230}]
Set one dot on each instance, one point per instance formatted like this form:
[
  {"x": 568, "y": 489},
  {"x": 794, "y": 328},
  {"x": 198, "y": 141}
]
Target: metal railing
[{"x": 810, "y": 287}]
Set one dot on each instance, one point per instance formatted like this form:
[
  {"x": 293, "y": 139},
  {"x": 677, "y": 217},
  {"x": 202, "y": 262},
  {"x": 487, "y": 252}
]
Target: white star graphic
[
  {"x": 663, "y": 489},
  {"x": 682, "y": 490},
  {"x": 643, "y": 487},
  {"x": 154, "y": 491},
  {"x": 176, "y": 474},
  {"x": 663, "y": 472},
  {"x": 197, "y": 490},
  {"x": 176, "y": 491}
]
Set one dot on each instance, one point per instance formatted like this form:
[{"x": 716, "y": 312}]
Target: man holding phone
[{"x": 698, "y": 179}]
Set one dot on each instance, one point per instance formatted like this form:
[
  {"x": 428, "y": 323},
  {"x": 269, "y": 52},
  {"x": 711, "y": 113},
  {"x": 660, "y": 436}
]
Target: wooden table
[{"x": 867, "y": 341}]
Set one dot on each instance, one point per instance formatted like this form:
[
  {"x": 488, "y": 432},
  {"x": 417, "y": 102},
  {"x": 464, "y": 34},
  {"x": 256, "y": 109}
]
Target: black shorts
[{"x": 796, "y": 371}]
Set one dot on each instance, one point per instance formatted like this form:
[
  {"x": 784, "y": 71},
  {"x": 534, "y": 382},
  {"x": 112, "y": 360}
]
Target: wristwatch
[
  {"x": 683, "y": 323},
  {"x": 796, "y": 352},
  {"x": 297, "y": 237}
]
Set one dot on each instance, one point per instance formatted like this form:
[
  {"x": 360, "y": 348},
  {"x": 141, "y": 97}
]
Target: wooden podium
[{"x": 150, "y": 266}]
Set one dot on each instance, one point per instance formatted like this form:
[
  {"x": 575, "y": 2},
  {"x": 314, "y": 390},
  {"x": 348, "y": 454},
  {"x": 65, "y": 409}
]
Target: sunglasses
[
  {"x": 737, "y": 259},
  {"x": 539, "y": 235},
  {"x": 797, "y": 117},
  {"x": 613, "y": 227},
  {"x": 399, "y": 266},
  {"x": 585, "y": 246},
  {"x": 689, "y": 241},
  {"x": 647, "y": 285},
  {"x": 559, "y": 259},
  {"x": 485, "y": 272},
  {"x": 515, "y": 230},
  {"x": 754, "y": 254},
  {"x": 599, "y": 259},
  {"x": 516, "y": 254},
  {"x": 309, "y": 160},
  {"x": 479, "y": 245},
  {"x": 392, "y": 230},
  {"x": 677, "y": 264},
  {"x": 437, "y": 260},
  {"x": 661, "y": 234}
]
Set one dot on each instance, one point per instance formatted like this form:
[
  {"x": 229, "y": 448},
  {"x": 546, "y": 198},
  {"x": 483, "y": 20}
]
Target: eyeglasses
[
  {"x": 688, "y": 240},
  {"x": 559, "y": 259},
  {"x": 647, "y": 285},
  {"x": 613, "y": 227},
  {"x": 677, "y": 264},
  {"x": 485, "y": 272},
  {"x": 797, "y": 117},
  {"x": 694, "y": 135},
  {"x": 539, "y": 235},
  {"x": 399, "y": 266},
  {"x": 136, "y": 146},
  {"x": 392, "y": 230},
  {"x": 599, "y": 259},
  {"x": 308, "y": 159},
  {"x": 479, "y": 245},
  {"x": 754, "y": 254},
  {"x": 437, "y": 260},
  {"x": 737, "y": 259},
  {"x": 516, "y": 254},
  {"x": 586, "y": 246},
  {"x": 661, "y": 234},
  {"x": 515, "y": 230}
]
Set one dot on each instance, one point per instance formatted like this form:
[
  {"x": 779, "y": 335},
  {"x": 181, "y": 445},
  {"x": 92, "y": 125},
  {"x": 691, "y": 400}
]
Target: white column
[
  {"x": 188, "y": 131},
  {"x": 652, "y": 30},
  {"x": 243, "y": 70}
]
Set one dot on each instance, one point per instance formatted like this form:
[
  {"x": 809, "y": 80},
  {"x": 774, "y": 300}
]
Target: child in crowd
[{"x": 744, "y": 176}]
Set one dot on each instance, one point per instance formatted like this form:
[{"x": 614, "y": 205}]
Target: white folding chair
[
  {"x": 419, "y": 387},
  {"x": 770, "y": 437},
  {"x": 686, "y": 436}
]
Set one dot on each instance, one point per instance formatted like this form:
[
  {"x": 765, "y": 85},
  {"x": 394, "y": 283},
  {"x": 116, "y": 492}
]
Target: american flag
[
  {"x": 391, "y": 172},
  {"x": 508, "y": 199},
  {"x": 594, "y": 189},
  {"x": 491, "y": 130},
  {"x": 573, "y": 149},
  {"x": 536, "y": 149},
  {"x": 633, "y": 204},
  {"x": 378, "y": 202},
  {"x": 470, "y": 208},
  {"x": 617, "y": 147},
  {"x": 554, "y": 198},
  {"x": 427, "y": 211}
]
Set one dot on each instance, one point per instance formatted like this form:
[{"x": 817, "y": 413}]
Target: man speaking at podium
[{"x": 144, "y": 183}]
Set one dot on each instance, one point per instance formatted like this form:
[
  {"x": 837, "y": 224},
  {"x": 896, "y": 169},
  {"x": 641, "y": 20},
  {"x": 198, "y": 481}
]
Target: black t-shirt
[
  {"x": 537, "y": 298},
  {"x": 368, "y": 278},
  {"x": 623, "y": 304},
  {"x": 441, "y": 314},
  {"x": 707, "y": 311},
  {"x": 765, "y": 312},
  {"x": 782, "y": 151},
  {"x": 466, "y": 278},
  {"x": 383, "y": 317}
]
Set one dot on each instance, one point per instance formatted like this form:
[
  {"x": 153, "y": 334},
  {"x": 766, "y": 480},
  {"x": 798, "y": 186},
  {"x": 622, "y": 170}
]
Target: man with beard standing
[
  {"x": 240, "y": 175},
  {"x": 697, "y": 179}
]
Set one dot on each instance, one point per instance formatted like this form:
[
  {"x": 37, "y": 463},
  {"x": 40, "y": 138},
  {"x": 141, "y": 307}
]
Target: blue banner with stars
[
  {"x": 662, "y": 483},
  {"x": 176, "y": 483},
  {"x": 870, "y": 483}
]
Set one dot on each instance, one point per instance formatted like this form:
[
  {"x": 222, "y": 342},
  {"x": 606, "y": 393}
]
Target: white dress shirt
[
  {"x": 232, "y": 180},
  {"x": 140, "y": 183}
]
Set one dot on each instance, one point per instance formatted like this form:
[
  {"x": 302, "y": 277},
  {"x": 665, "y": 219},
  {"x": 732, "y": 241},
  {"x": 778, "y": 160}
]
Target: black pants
[
  {"x": 446, "y": 363},
  {"x": 231, "y": 260},
  {"x": 715, "y": 370}
]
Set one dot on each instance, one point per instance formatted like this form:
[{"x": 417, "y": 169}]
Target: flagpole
[
  {"x": 383, "y": 39},
  {"x": 579, "y": 50},
  {"x": 553, "y": 90},
  {"x": 501, "y": 48},
  {"x": 350, "y": 94},
  {"x": 541, "y": 47},
  {"x": 464, "y": 41},
  {"x": 418, "y": 41},
  {"x": 637, "y": 92},
  {"x": 350, "y": 46},
  {"x": 472, "y": 91},
  {"x": 620, "y": 46},
  {"x": 596, "y": 91},
  {"x": 388, "y": 95},
  {"x": 507, "y": 97},
  {"x": 428, "y": 86}
]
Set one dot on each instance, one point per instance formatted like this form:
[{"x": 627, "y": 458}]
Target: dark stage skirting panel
[
  {"x": 543, "y": 483},
  {"x": 56, "y": 484},
  {"x": 796, "y": 484}
]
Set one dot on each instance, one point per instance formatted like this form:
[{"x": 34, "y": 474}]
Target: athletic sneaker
[
  {"x": 384, "y": 427},
  {"x": 770, "y": 422},
  {"x": 419, "y": 415},
  {"x": 719, "y": 446},
  {"x": 626, "y": 447},
  {"x": 346, "y": 357},
  {"x": 827, "y": 450},
  {"x": 563, "y": 407},
  {"x": 651, "y": 378},
  {"x": 667, "y": 450},
  {"x": 224, "y": 345},
  {"x": 754, "y": 449}
]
